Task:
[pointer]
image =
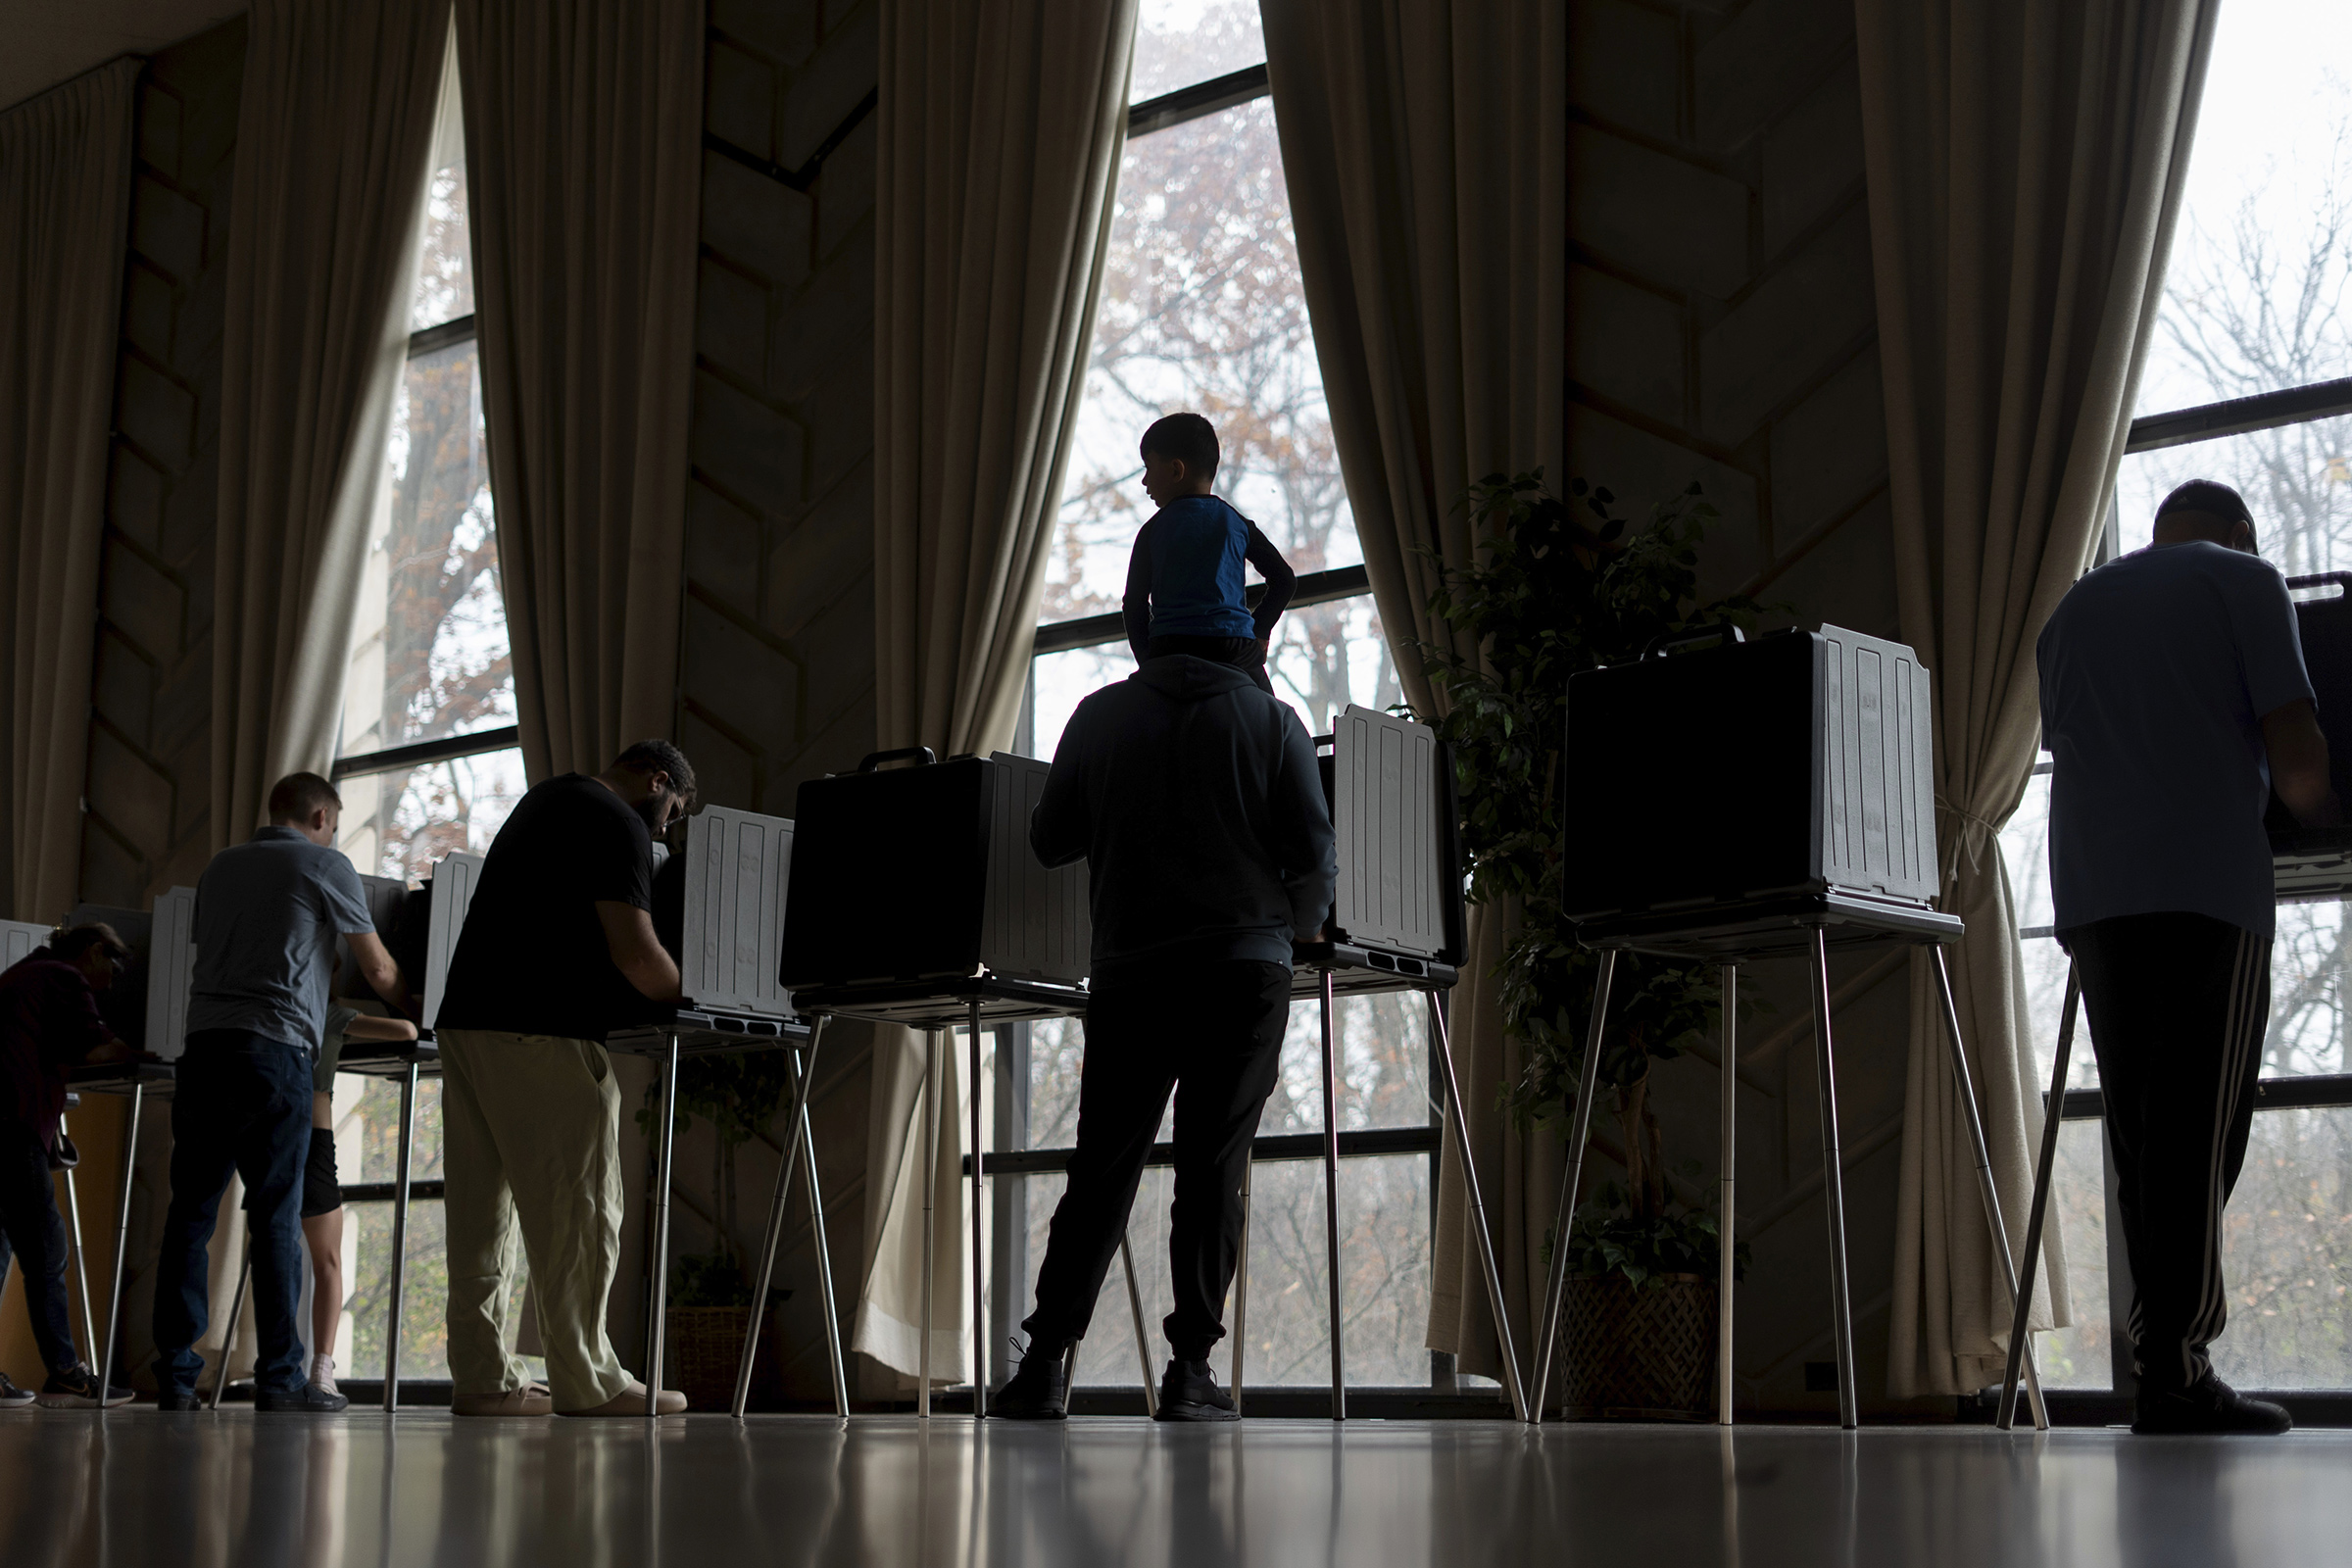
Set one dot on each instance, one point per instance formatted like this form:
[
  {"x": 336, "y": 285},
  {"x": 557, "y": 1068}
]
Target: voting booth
[
  {"x": 18, "y": 938},
  {"x": 446, "y": 898}
]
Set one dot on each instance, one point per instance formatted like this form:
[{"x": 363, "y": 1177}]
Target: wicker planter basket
[
  {"x": 1645, "y": 1355},
  {"x": 705, "y": 1343}
]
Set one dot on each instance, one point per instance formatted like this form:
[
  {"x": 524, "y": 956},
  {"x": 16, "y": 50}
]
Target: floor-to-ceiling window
[
  {"x": 2249, "y": 382},
  {"x": 1204, "y": 309}
]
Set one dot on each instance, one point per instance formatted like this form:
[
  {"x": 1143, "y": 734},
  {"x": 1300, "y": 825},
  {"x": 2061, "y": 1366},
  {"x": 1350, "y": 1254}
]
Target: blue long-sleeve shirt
[{"x": 1184, "y": 578}]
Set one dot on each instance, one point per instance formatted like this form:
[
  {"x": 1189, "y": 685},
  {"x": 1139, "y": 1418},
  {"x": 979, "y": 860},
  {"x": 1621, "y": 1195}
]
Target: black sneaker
[
  {"x": 1038, "y": 1391},
  {"x": 169, "y": 1398},
  {"x": 78, "y": 1389},
  {"x": 309, "y": 1400},
  {"x": 12, "y": 1398},
  {"x": 2207, "y": 1405},
  {"x": 1188, "y": 1392}
]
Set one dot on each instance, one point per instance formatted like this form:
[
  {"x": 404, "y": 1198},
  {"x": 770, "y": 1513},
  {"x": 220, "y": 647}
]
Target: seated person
[
  {"x": 1184, "y": 578},
  {"x": 49, "y": 1023},
  {"x": 322, "y": 1188}
]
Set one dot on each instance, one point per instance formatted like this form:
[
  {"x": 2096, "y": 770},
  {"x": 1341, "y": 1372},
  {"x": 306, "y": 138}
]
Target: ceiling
[{"x": 43, "y": 42}]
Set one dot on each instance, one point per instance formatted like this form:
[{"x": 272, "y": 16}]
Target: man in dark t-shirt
[{"x": 558, "y": 949}]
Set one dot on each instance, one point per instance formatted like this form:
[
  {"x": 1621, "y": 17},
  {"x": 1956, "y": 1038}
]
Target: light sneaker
[
  {"x": 322, "y": 1372},
  {"x": 12, "y": 1398},
  {"x": 631, "y": 1401},
  {"x": 529, "y": 1400}
]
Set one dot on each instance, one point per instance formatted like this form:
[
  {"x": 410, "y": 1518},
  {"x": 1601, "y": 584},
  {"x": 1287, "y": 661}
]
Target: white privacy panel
[
  {"x": 170, "y": 971},
  {"x": 18, "y": 938},
  {"x": 1386, "y": 810},
  {"x": 1034, "y": 922},
  {"x": 454, "y": 881},
  {"x": 737, "y": 870}
]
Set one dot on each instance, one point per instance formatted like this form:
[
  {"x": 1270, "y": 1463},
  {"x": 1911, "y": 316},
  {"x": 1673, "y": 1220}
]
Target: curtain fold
[
  {"x": 583, "y": 164},
  {"x": 1001, "y": 125},
  {"x": 65, "y": 202},
  {"x": 332, "y": 136},
  {"x": 1424, "y": 143},
  {"x": 2025, "y": 163}
]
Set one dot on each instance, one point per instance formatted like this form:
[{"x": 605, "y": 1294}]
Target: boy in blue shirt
[{"x": 1184, "y": 580}]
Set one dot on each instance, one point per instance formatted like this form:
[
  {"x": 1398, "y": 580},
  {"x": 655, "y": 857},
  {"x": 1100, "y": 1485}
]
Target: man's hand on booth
[
  {"x": 382, "y": 970},
  {"x": 636, "y": 952},
  {"x": 2299, "y": 766}
]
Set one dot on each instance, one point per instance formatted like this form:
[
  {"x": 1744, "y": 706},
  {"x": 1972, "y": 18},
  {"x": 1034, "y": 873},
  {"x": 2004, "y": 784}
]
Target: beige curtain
[
  {"x": 65, "y": 199},
  {"x": 2025, "y": 165},
  {"x": 583, "y": 162},
  {"x": 1425, "y": 146},
  {"x": 332, "y": 136},
  {"x": 1002, "y": 122}
]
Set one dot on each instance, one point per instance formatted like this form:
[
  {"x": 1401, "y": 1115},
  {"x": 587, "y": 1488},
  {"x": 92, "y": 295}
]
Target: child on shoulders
[{"x": 1184, "y": 579}]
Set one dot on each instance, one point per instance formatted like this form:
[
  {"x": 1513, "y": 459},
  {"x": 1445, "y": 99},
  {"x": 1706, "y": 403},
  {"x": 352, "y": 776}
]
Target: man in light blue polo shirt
[
  {"x": 268, "y": 913},
  {"x": 2174, "y": 699}
]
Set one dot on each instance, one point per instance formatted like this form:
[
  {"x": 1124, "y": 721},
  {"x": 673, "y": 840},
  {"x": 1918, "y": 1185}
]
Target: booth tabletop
[
  {"x": 2311, "y": 863},
  {"x": 944, "y": 1004},
  {"x": 702, "y": 1034},
  {"x": 390, "y": 1059},
  {"x": 1750, "y": 931},
  {"x": 121, "y": 1077},
  {"x": 1358, "y": 971}
]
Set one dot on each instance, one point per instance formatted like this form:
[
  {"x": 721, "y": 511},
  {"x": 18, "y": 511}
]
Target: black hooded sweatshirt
[{"x": 1195, "y": 800}]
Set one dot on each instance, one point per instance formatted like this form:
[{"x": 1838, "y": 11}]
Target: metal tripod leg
[
  {"x": 1984, "y": 1187},
  {"x": 929, "y": 1167},
  {"x": 1556, "y": 1292},
  {"x": 979, "y": 1244},
  {"x": 1832, "y": 1177},
  {"x": 2053, "y": 1113},
  {"x": 400, "y": 1237},
  {"x": 1724, "y": 1247},
  {"x": 795, "y": 1140},
  {"x": 81, "y": 1258},
  {"x": 1478, "y": 1209},
  {"x": 1241, "y": 1295},
  {"x": 228, "y": 1330},
  {"x": 1331, "y": 1202},
  {"x": 657, "y": 1316},
  {"x": 114, "y": 1295},
  {"x": 1134, "y": 1307}
]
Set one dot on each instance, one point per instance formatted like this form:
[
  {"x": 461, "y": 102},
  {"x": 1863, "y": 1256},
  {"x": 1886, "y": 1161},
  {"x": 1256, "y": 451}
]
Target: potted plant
[
  {"x": 711, "y": 1293},
  {"x": 1555, "y": 593}
]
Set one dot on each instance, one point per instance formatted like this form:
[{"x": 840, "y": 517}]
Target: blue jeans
[
  {"x": 29, "y": 1226},
  {"x": 242, "y": 1104}
]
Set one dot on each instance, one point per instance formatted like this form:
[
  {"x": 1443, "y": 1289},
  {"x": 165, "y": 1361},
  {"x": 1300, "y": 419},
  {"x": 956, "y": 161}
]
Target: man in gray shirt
[
  {"x": 268, "y": 913},
  {"x": 2174, "y": 699}
]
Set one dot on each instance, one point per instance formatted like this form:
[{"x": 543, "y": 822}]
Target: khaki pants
[{"x": 531, "y": 1155}]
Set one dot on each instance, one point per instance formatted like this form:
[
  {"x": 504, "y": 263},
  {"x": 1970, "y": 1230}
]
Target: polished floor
[{"x": 137, "y": 1487}]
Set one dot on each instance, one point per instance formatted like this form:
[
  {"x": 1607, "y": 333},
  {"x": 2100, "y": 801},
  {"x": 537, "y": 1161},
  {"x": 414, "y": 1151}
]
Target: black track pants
[
  {"x": 2178, "y": 1004},
  {"x": 1213, "y": 1034}
]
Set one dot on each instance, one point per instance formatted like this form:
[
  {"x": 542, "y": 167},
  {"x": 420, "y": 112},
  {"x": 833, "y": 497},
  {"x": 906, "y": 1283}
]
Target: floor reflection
[{"x": 236, "y": 1489}]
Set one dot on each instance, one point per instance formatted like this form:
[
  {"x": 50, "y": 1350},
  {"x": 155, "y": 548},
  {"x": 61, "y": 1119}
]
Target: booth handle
[
  {"x": 922, "y": 756},
  {"x": 2324, "y": 579},
  {"x": 1659, "y": 647}
]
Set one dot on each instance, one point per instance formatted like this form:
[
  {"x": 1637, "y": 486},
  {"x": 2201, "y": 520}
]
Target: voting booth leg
[
  {"x": 1557, "y": 1291},
  {"x": 795, "y": 1145},
  {"x": 2052, "y": 1114},
  {"x": 228, "y": 1330},
  {"x": 657, "y": 1313},
  {"x": 1478, "y": 1211},
  {"x": 1724, "y": 1218},
  {"x": 1135, "y": 1307},
  {"x": 1966, "y": 1085},
  {"x": 81, "y": 1259},
  {"x": 113, "y": 1295},
  {"x": 1331, "y": 1202},
  {"x": 1832, "y": 1178},
  {"x": 979, "y": 1242},
  {"x": 400, "y": 1236},
  {"x": 824, "y": 1257},
  {"x": 1241, "y": 1295},
  {"x": 929, "y": 1167}
]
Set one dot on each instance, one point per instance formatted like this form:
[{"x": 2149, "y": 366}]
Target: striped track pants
[{"x": 2178, "y": 1005}]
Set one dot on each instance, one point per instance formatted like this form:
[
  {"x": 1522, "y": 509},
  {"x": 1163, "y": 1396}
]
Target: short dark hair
[
  {"x": 1188, "y": 438},
  {"x": 2209, "y": 496},
  {"x": 647, "y": 758},
  {"x": 295, "y": 797},
  {"x": 70, "y": 944}
]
